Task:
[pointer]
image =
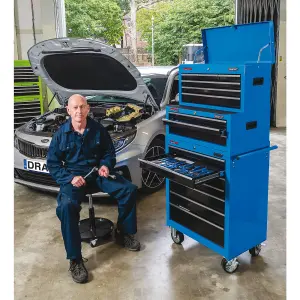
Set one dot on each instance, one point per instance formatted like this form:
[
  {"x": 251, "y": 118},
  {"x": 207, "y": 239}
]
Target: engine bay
[{"x": 116, "y": 118}]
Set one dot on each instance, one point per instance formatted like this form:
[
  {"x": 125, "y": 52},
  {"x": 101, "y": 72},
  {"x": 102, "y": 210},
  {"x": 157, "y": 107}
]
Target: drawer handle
[
  {"x": 209, "y": 177},
  {"x": 190, "y": 200},
  {"x": 197, "y": 154},
  {"x": 202, "y": 219},
  {"x": 222, "y": 132},
  {"x": 199, "y": 118},
  {"x": 184, "y": 208}
]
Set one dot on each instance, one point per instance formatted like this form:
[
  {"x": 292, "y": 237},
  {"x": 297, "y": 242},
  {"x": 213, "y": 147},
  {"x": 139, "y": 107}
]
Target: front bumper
[{"x": 127, "y": 165}]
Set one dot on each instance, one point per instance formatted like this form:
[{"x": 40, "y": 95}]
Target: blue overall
[{"x": 73, "y": 154}]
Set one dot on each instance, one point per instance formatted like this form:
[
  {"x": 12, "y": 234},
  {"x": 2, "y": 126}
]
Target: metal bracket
[{"x": 254, "y": 152}]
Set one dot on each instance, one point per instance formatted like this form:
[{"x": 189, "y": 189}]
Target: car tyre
[{"x": 152, "y": 183}]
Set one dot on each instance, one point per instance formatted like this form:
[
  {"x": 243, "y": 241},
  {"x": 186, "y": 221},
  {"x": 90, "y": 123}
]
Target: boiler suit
[{"x": 72, "y": 154}]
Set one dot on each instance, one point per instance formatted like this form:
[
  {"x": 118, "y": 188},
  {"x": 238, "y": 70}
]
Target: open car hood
[{"x": 88, "y": 67}]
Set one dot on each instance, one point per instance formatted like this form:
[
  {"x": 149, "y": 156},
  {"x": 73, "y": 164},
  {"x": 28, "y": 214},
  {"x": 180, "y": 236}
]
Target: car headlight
[
  {"x": 123, "y": 141},
  {"x": 16, "y": 142}
]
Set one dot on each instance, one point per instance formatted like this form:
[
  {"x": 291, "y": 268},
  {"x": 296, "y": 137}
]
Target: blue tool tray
[{"x": 185, "y": 167}]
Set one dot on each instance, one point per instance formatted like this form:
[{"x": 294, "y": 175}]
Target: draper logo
[
  {"x": 218, "y": 117},
  {"x": 37, "y": 166}
]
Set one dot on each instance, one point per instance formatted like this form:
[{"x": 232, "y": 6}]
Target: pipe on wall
[
  {"x": 60, "y": 18},
  {"x": 33, "y": 22},
  {"x": 236, "y": 12},
  {"x": 17, "y": 29}
]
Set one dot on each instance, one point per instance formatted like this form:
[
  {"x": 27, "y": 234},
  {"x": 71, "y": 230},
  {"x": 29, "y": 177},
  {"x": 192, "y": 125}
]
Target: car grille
[
  {"x": 30, "y": 150},
  {"x": 35, "y": 177}
]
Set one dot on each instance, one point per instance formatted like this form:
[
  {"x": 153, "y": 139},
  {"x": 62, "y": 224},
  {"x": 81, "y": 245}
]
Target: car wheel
[{"x": 152, "y": 182}]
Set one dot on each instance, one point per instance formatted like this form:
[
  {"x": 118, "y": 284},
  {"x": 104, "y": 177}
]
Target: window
[{"x": 156, "y": 85}]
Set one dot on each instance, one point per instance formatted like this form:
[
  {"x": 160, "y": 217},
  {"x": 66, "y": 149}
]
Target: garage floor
[{"x": 162, "y": 270}]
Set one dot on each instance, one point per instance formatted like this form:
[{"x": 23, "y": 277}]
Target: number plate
[{"x": 35, "y": 165}]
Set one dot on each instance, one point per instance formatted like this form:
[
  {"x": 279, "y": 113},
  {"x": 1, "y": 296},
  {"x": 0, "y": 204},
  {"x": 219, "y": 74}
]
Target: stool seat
[{"x": 95, "y": 230}]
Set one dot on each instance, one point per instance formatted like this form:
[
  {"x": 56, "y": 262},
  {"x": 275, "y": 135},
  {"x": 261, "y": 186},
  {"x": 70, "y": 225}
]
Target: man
[{"x": 79, "y": 145}]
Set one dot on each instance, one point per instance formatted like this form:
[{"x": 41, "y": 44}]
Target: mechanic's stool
[{"x": 94, "y": 230}]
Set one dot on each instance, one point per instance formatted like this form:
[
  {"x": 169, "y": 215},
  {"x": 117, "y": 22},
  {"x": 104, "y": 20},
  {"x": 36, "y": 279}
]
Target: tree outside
[
  {"x": 99, "y": 19},
  {"x": 176, "y": 22},
  {"x": 179, "y": 22}
]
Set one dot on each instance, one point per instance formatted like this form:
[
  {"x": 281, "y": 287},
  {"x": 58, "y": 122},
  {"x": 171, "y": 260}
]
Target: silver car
[{"x": 129, "y": 102}]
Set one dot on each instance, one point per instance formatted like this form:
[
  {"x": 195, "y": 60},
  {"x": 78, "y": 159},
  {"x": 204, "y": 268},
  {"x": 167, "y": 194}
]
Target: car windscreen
[{"x": 156, "y": 85}]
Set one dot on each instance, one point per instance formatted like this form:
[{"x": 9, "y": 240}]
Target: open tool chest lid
[{"x": 245, "y": 43}]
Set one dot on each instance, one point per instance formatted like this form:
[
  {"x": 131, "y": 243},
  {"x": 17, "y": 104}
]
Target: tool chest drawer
[
  {"x": 205, "y": 213},
  {"x": 193, "y": 222},
  {"x": 211, "y": 89},
  {"x": 212, "y": 199},
  {"x": 185, "y": 167},
  {"x": 199, "y": 128}
]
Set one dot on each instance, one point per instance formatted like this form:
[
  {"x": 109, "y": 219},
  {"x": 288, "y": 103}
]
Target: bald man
[{"x": 76, "y": 148}]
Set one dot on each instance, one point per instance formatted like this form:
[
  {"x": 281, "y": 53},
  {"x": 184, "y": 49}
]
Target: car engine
[{"x": 115, "y": 118}]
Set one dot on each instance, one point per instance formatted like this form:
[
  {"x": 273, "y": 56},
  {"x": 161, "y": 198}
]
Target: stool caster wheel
[
  {"x": 177, "y": 236},
  {"x": 255, "y": 250},
  {"x": 230, "y": 266},
  {"x": 93, "y": 243}
]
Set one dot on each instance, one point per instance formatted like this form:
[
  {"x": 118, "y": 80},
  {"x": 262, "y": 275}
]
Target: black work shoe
[
  {"x": 128, "y": 241},
  {"x": 78, "y": 271}
]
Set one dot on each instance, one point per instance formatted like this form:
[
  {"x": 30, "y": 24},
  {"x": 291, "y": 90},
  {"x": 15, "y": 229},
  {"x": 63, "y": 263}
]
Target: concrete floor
[{"x": 162, "y": 270}]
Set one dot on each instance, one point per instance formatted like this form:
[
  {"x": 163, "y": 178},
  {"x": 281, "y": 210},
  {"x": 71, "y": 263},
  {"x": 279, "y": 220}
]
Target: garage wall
[
  {"x": 281, "y": 77},
  {"x": 248, "y": 11},
  {"x": 44, "y": 24},
  {"x": 49, "y": 22}
]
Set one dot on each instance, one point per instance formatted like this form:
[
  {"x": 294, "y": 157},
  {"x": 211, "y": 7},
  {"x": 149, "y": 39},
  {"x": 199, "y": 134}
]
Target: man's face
[{"x": 78, "y": 108}]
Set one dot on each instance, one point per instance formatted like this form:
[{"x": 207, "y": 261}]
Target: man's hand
[
  {"x": 103, "y": 171},
  {"x": 78, "y": 181}
]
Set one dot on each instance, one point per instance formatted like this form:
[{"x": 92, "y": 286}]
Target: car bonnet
[{"x": 88, "y": 67}]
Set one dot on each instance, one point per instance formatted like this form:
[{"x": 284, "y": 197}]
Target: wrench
[
  {"x": 93, "y": 170},
  {"x": 96, "y": 169}
]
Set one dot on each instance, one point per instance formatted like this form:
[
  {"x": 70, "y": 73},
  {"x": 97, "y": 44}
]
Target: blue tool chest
[{"x": 217, "y": 144}]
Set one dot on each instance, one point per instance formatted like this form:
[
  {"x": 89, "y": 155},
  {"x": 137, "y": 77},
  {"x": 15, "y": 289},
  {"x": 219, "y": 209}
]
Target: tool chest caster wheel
[
  {"x": 177, "y": 236},
  {"x": 230, "y": 266},
  {"x": 93, "y": 243},
  {"x": 255, "y": 250}
]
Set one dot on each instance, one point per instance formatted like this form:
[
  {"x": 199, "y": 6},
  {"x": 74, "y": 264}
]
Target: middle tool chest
[{"x": 217, "y": 144}]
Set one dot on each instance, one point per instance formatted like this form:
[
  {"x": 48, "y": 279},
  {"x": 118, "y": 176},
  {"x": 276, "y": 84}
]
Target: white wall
[
  {"x": 281, "y": 80},
  {"x": 44, "y": 21},
  {"x": 45, "y": 28}
]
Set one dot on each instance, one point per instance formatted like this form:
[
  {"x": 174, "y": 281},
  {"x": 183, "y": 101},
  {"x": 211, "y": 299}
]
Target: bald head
[
  {"x": 76, "y": 97},
  {"x": 78, "y": 108}
]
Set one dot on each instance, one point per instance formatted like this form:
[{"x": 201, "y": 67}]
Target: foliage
[
  {"x": 144, "y": 21},
  {"x": 94, "y": 19},
  {"x": 124, "y": 5},
  {"x": 180, "y": 22}
]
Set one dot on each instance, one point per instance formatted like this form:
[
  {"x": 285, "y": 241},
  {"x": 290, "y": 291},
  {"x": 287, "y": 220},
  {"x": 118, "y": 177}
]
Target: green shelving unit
[{"x": 28, "y": 100}]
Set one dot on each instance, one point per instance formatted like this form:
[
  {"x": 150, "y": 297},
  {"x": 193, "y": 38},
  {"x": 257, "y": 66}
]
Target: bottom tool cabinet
[{"x": 221, "y": 203}]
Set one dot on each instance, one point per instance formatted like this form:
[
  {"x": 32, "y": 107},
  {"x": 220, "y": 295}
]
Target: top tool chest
[{"x": 217, "y": 143}]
